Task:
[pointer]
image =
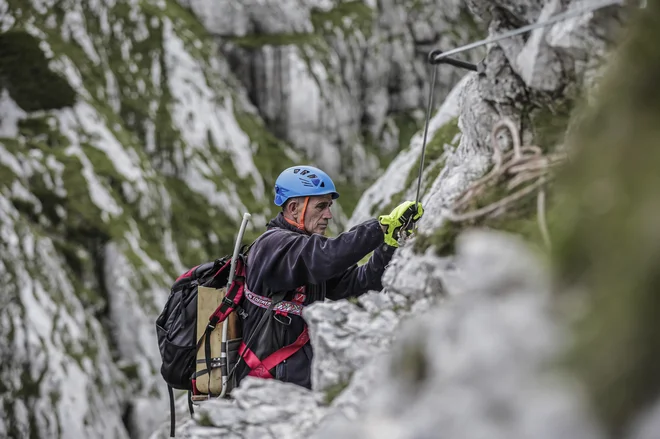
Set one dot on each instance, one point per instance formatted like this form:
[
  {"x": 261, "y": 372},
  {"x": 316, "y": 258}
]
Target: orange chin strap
[{"x": 300, "y": 225}]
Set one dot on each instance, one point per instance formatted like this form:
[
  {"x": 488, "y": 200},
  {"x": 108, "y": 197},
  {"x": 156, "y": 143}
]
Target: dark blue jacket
[{"x": 284, "y": 259}]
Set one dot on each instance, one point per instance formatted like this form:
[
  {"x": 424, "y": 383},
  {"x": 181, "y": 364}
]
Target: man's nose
[{"x": 327, "y": 214}]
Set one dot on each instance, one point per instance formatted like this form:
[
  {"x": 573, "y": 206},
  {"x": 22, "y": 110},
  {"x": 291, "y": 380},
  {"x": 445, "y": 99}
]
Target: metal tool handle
[
  {"x": 434, "y": 59},
  {"x": 230, "y": 279}
]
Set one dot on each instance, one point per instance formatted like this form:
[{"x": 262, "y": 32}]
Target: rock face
[
  {"x": 126, "y": 155},
  {"x": 533, "y": 82},
  {"x": 438, "y": 373},
  {"x": 609, "y": 194},
  {"x": 465, "y": 338},
  {"x": 341, "y": 80},
  {"x": 475, "y": 367},
  {"x": 132, "y": 140}
]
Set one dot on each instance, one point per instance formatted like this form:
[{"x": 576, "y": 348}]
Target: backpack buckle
[
  {"x": 278, "y": 318},
  {"x": 212, "y": 322}
]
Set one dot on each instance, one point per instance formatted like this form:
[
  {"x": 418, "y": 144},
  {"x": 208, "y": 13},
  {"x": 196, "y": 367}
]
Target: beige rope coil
[{"x": 523, "y": 164}]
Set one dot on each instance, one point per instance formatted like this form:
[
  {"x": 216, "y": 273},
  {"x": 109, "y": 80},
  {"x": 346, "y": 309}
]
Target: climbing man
[{"x": 293, "y": 265}]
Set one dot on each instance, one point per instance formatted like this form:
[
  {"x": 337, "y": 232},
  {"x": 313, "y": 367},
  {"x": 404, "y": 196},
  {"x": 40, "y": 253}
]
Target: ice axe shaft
[
  {"x": 230, "y": 279},
  {"x": 237, "y": 248}
]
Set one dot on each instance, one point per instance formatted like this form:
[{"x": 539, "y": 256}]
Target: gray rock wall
[
  {"x": 461, "y": 344},
  {"x": 339, "y": 80}
]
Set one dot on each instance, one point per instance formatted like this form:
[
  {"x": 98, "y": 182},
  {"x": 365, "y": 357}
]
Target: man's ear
[{"x": 291, "y": 208}]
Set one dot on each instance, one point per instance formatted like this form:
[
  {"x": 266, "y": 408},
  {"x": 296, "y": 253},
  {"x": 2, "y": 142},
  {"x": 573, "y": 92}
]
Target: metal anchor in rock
[{"x": 439, "y": 57}]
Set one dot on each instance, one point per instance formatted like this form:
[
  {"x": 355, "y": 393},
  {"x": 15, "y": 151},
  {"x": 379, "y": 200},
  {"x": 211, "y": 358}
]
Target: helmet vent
[{"x": 303, "y": 181}]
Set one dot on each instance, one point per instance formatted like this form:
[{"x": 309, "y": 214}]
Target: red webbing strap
[
  {"x": 262, "y": 369},
  {"x": 227, "y": 265},
  {"x": 233, "y": 295},
  {"x": 282, "y": 354},
  {"x": 257, "y": 368}
]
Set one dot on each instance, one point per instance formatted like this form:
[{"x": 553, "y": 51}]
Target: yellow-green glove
[{"x": 403, "y": 216}]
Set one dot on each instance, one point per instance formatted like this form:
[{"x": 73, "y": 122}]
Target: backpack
[
  {"x": 179, "y": 335},
  {"x": 177, "y": 326}
]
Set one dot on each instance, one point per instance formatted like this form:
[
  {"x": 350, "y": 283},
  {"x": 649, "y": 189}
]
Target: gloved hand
[{"x": 403, "y": 216}]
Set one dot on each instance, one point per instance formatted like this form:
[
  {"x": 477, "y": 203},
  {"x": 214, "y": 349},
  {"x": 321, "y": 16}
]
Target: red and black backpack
[{"x": 176, "y": 326}]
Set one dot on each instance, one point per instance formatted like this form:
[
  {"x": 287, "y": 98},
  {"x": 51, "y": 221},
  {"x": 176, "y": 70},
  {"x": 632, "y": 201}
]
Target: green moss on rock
[
  {"x": 434, "y": 151},
  {"x": 204, "y": 419},
  {"x": 192, "y": 213},
  {"x": 442, "y": 240},
  {"x": 349, "y": 16},
  {"x": 269, "y": 156},
  {"x": 442, "y": 137},
  {"x": 349, "y": 196},
  {"x": 334, "y": 390},
  {"x": 255, "y": 41},
  {"x": 550, "y": 121},
  {"x": 24, "y": 72},
  {"x": 408, "y": 125},
  {"x": 548, "y": 126},
  {"x": 412, "y": 365},
  {"x": 607, "y": 240}
]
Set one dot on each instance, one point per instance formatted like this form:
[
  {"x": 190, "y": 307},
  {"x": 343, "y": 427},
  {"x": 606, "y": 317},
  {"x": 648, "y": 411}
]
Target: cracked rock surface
[
  {"x": 462, "y": 344},
  {"x": 336, "y": 78}
]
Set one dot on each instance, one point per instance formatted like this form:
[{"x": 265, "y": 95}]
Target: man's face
[{"x": 318, "y": 215}]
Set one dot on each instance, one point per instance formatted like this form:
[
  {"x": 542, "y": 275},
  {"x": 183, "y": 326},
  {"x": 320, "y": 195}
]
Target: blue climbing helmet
[{"x": 303, "y": 181}]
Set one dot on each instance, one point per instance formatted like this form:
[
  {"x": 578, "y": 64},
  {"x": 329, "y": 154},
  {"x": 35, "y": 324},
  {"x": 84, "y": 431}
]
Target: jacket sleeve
[
  {"x": 289, "y": 260},
  {"x": 359, "y": 280}
]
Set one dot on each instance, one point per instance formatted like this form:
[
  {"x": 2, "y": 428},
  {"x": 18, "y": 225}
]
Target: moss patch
[
  {"x": 333, "y": 391},
  {"x": 434, "y": 151},
  {"x": 519, "y": 217},
  {"x": 467, "y": 28},
  {"x": 204, "y": 419},
  {"x": 548, "y": 126},
  {"x": 346, "y": 15},
  {"x": 191, "y": 212},
  {"x": 349, "y": 196},
  {"x": 443, "y": 136},
  {"x": 549, "y": 122},
  {"x": 607, "y": 241},
  {"x": 441, "y": 239},
  {"x": 269, "y": 156},
  {"x": 255, "y": 41},
  {"x": 24, "y": 72},
  {"x": 407, "y": 125},
  {"x": 412, "y": 366}
]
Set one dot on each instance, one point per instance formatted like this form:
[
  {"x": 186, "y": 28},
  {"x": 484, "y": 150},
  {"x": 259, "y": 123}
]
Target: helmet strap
[{"x": 300, "y": 224}]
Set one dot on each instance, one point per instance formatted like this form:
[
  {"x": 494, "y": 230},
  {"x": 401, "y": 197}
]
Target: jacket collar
[{"x": 281, "y": 223}]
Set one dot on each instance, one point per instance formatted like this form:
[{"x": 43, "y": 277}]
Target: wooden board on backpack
[{"x": 208, "y": 300}]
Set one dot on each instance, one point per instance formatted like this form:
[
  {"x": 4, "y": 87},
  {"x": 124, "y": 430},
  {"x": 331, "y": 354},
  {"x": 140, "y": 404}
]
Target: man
[{"x": 294, "y": 262}]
